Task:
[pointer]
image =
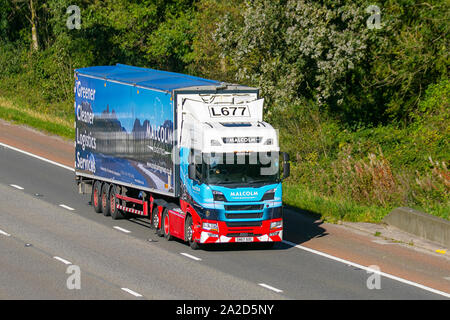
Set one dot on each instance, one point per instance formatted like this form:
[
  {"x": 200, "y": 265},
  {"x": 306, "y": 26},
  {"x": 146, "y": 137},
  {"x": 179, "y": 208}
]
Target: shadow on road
[
  {"x": 302, "y": 225},
  {"x": 299, "y": 227}
]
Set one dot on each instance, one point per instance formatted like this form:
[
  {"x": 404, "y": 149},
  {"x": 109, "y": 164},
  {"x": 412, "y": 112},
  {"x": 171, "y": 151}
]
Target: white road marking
[
  {"x": 190, "y": 256},
  {"x": 387, "y": 275},
  {"x": 131, "y": 292},
  {"x": 66, "y": 207},
  {"x": 62, "y": 260},
  {"x": 270, "y": 287},
  {"x": 4, "y": 233},
  {"x": 16, "y": 186},
  {"x": 121, "y": 229},
  {"x": 37, "y": 157},
  {"x": 285, "y": 241}
]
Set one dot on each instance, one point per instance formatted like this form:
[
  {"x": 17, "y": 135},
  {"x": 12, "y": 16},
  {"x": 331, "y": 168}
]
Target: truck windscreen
[{"x": 239, "y": 168}]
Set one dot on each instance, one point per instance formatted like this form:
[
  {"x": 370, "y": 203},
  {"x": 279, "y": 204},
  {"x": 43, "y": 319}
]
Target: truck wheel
[
  {"x": 105, "y": 200},
  {"x": 95, "y": 197},
  {"x": 115, "y": 213},
  {"x": 189, "y": 233},
  {"x": 155, "y": 222},
  {"x": 166, "y": 225}
]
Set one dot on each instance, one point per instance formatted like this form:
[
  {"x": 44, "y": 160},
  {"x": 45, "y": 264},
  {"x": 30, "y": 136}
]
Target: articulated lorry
[{"x": 192, "y": 155}]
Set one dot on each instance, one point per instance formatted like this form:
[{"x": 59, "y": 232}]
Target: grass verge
[
  {"x": 331, "y": 209},
  {"x": 22, "y": 115}
]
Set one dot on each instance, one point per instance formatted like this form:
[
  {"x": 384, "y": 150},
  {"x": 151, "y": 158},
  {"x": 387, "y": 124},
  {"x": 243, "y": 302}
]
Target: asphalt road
[{"x": 46, "y": 227}]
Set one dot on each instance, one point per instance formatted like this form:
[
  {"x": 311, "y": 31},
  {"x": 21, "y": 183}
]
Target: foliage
[
  {"x": 297, "y": 49},
  {"x": 363, "y": 112}
]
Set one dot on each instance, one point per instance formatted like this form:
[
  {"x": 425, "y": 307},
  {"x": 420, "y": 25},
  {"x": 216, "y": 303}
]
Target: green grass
[
  {"x": 331, "y": 209},
  {"x": 46, "y": 123}
]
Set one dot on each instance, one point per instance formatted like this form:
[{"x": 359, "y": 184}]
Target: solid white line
[
  {"x": 36, "y": 156},
  {"x": 270, "y": 287},
  {"x": 131, "y": 292},
  {"x": 66, "y": 207},
  {"x": 191, "y": 257},
  {"x": 285, "y": 241},
  {"x": 4, "y": 233},
  {"x": 384, "y": 274},
  {"x": 62, "y": 260},
  {"x": 16, "y": 186},
  {"x": 121, "y": 229}
]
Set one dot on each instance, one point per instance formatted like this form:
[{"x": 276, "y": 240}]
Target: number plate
[
  {"x": 229, "y": 111},
  {"x": 244, "y": 239}
]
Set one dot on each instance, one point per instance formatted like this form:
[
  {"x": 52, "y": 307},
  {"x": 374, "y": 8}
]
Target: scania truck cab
[{"x": 229, "y": 167}]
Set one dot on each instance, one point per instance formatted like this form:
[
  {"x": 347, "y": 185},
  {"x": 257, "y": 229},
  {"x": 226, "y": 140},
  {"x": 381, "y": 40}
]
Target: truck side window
[
  {"x": 195, "y": 157},
  {"x": 198, "y": 172}
]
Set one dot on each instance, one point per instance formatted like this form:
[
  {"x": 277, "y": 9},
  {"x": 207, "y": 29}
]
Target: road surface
[{"x": 46, "y": 228}]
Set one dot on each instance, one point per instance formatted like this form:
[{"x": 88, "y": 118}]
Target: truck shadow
[{"x": 300, "y": 226}]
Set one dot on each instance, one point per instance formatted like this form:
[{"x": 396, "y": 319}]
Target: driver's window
[
  {"x": 198, "y": 172},
  {"x": 196, "y": 158}
]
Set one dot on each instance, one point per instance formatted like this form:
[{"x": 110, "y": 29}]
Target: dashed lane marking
[
  {"x": 62, "y": 260},
  {"x": 132, "y": 292},
  {"x": 66, "y": 207},
  {"x": 121, "y": 229},
  {"x": 4, "y": 233},
  {"x": 270, "y": 287},
  {"x": 190, "y": 256}
]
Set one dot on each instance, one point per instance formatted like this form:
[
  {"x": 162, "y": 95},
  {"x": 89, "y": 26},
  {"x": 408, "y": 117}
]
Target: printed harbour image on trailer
[{"x": 124, "y": 133}]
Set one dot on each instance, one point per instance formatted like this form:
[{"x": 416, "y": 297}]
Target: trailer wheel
[
  {"x": 115, "y": 212},
  {"x": 189, "y": 233},
  {"x": 155, "y": 222},
  {"x": 95, "y": 196},
  {"x": 105, "y": 200},
  {"x": 165, "y": 225}
]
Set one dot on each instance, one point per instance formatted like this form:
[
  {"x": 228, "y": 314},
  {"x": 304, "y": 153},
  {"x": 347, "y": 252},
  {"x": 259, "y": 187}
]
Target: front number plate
[{"x": 244, "y": 239}]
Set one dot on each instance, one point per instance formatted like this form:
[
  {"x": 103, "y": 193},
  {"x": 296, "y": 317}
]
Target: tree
[
  {"x": 31, "y": 15},
  {"x": 297, "y": 50}
]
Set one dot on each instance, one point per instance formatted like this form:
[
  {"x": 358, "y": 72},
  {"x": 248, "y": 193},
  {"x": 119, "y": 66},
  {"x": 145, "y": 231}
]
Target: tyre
[
  {"x": 155, "y": 222},
  {"x": 166, "y": 225},
  {"x": 105, "y": 200},
  {"x": 95, "y": 197},
  {"x": 189, "y": 233},
  {"x": 113, "y": 201}
]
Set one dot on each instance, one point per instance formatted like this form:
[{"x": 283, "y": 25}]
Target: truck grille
[
  {"x": 243, "y": 215},
  {"x": 240, "y": 224},
  {"x": 244, "y": 207},
  {"x": 243, "y": 234}
]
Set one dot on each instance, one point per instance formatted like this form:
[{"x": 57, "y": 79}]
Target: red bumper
[{"x": 236, "y": 234}]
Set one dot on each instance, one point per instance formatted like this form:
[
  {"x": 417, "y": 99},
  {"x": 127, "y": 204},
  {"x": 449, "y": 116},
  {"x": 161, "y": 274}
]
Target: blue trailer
[{"x": 191, "y": 154}]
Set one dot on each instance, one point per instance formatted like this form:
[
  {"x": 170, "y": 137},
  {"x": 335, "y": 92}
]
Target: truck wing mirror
[
  {"x": 191, "y": 171},
  {"x": 286, "y": 170}
]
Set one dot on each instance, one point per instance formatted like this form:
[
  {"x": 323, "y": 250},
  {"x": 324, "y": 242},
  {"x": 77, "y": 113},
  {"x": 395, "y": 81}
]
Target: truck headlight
[
  {"x": 276, "y": 224},
  {"x": 218, "y": 196},
  {"x": 210, "y": 226},
  {"x": 269, "y": 195}
]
